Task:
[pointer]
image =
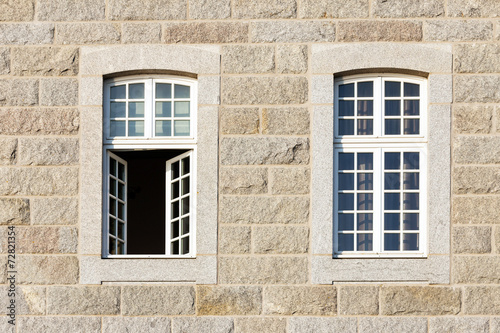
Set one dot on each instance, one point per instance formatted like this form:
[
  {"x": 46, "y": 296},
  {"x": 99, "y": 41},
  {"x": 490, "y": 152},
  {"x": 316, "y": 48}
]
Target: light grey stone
[
  {"x": 72, "y": 10},
  {"x": 333, "y": 8},
  {"x": 317, "y": 301},
  {"x": 264, "y": 9},
  {"x": 471, "y": 239},
  {"x": 272, "y": 150},
  {"x": 38, "y": 240},
  {"x": 47, "y": 269},
  {"x": 224, "y": 301},
  {"x": 199, "y": 325},
  {"x": 39, "y": 181},
  {"x": 4, "y": 60},
  {"x": 29, "y": 300},
  {"x": 395, "y": 324},
  {"x": 243, "y": 180},
  {"x": 358, "y": 300},
  {"x": 88, "y": 33},
  {"x": 54, "y": 211},
  {"x": 476, "y": 89},
  {"x": 208, "y": 90},
  {"x": 290, "y": 181},
  {"x": 472, "y": 119},
  {"x": 482, "y": 300},
  {"x": 8, "y": 151},
  {"x": 256, "y": 324},
  {"x": 83, "y": 300},
  {"x": 205, "y": 32},
  {"x": 478, "y": 8},
  {"x": 58, "y": 151},
  {"x": 209, "y": 9},
  {"x": 43, "y": 121},
  {"x": 234, "y": 239},
  {"x": 379, "y": 31},
  {"x": 135, "y": 324},
  {"x": 274, "y": 209},
  {"x": 89, "y": 94},
  {"x": 146, "y": 10},
  {"x": 281, "y": 239},
  {"x": 459, "y": 324},
  {"x": 59, "y": 92},
  {"x": 476, "y": 180},
  {"x": 293, "y": 32},
  {"x": 14, "y": 211},
  {"x": 18, "y": 92},
  {"x": 26, "y": 33},
  {"x": 496, "y": 240},
  {"x": 476, "y": 149},
  {"x": 263, "y": 270},
  {"x": 3, "y": 269},
  {"x": 477, "y": 58},
  {"x": 453, "y": 31},
  {"x": 440, "y": 88},
  {"x": 285, "y": 121},
  {"x": 158, "y": 300},
  {"x": 476, "y": 270},
  {"x": 239, "y": 121},
  {"x": 291, "y": 59},
  {"x": 321, "y": 325},
  {"x": 239, "y": 59},
  {"x": 17, "y": 10},
  {"x": 322, "y": 89},
  {"x": 141, "y": 33},
  {"x": 45, "y": 61},
  {"x": 408, "y": 8},
  {"x": 60, "y": 324}
]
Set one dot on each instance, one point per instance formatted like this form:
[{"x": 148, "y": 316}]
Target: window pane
[
  {"x": 174, "y": 230},
  {"x": 346, "y": 126},
  {"x": 121, "y": 171},
  {"x": 412, "y": 108},
  {"x": 346, "y": 181},
  {"x": 346, "y": 201},
  {"x": 181, "y": 91},
  {"x": 365, "y": 89},
  {"x": 136, "y": 128},
  {"x": 185, "y": 166},
  {"x": 346, "y": 108},
  {"x": 117, "y": 109},
  {"x": 121, "y": 248},
  {"x": 365, "y": 108},
  {"x": 163, "y": 109},
  {"x": 185, "y": 185},
  {"x": 185, "y": 245},
  {"x": 174, "y": 247},
  {"x": 112, "y": 226},
  {"x": 121, "y": 230},
  {"x": 112, "y": 166},
  {"x": 185, "y": 225},
  {"x": 174, "y": 209},
  {"x": 181, "y": 128},
  {"x": 365, "y": 242},
  {"x": 391, "y": 242},
  {"x": 136, "y": 109},
  {"x": 411, "y": 181},
  {"x": 410, "y": 201},
  {"x": 392, "y": 108},
  {"x": 391, "y": 201},
  {"x": 392, "y": 161},
  {"x": 118, "y": 92},
  {"x": 121, "y": 211},
  {"x": 181, "y": 109},
  {"x": 411, "y": 89},
  {"x": 175, "y": 170},
  {"x": 365, "y": 181},
  {"x": 410, "y": 221},
  {"x": 346, "y": 161},
  {"x": 185, "y": 206},
  {"x": 112, "y": 246},
  {"x": 392, "y": 181},
  {"x": 163, "y": 128},
  {"x": 411, "y": 161},
  {"x": 112, "y": 187},
  {"x": 117, "y": 128},
  {"x": 163, "y": 90},
  {"x": 392, "y": 126},
  {"x": 175, "y": 190},
  {"x": 121, "y": 191},
  {"x": 392, "y": 89},
  {"x": 365, "y": 127},
  {"x": 412, "y": 126},
  {"x": 136, "y": 91},
  {"x": 365, "y": 221},
  {"x": 346, "y": 90},
  {"x": 346, "y": 222},
  {"x": 365, "y": 201},
  {"x": 410, "y": 242},
  {"x": 365, "y": 161},
  {"x": 112, "y": 207},
  {"x": 391, "y": 221},
  {"x": 346, "y": 242}
]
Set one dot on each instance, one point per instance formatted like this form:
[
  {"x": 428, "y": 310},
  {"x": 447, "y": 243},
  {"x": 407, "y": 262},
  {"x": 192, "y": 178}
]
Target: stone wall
[{"x": 265, "y": 153}]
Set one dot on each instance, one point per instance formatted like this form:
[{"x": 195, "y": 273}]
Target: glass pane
[
  {"x": 185, "y": 166},
  {"x": 121, "y": 191},
  {"x": 346, "y": 126},
  {"x": 412, "y": 126},
  {"x": 175, "y": 209},
  {"x": 346, "y": 181},
  {"x": 174, "y": 247},
  {"x": 136, "y": 91},
  {"x": 410, "y": 242},
  {"x": 411, "y": 89},
  {"x": 365, "y": 181},
  {"x": 112, "y": 166},
  {"x": 185, "y": 225},
  {"x": 391, "y": 242},
  {"x": 392, "y": 89},
  {"x": 181, "y": 91},
  {"x": 112, "y": 186},
  {"x": 174, "y": 229},
  {"x": 112, "y": 207},
  {"x": 121, "y": 230},
  {"x": 410, "y": 181},
  {"x": 163, "y": 128},
  {"x": 365, "y": 242},
  {"x": 411, "y": 161},
  {"x": 365, "y": 89},
  {"x": 346, "y": 221},
  {"x": 365, "y": 221},
  {"x": 392, "y": 126},
  {"x": 365, "y": 127},
  {"x": 410, "y": 221},
  {"x": 412, "y": 108},
  {"x": 185, "y": 245},
  {"x": 121, "y": 248},
  {"x": 117, "y": 128},
  {"x": 392, "y": 108},
  {"x": 117, "y": 109},
  {"x": 181, "y": 128},
  {"x": 346, "y": 161},
  {"x": 163, "y": 109},
  {"x": 112, "y": 246},
  {"x": 365, "y": 201},
  {"x": 175, "y": 189},
  {"x": 346, "y": 242},
  {"x": 136, "y": 128},
  {"x": 365, "y": 108},
  {"x": 112, "y": 226},
  {"x": 392, "y": 161},
  {"x": 410, "y": 201},
  {"x": 136, "y": 109},
  {"x": 121, "y": 171},
  {"x": 175, "y": 170},
  {"x": 365, "y": 161},
  {"x": 118, "y": 92},
  {"x": 391, "y": 201},
  {"x": 185, "y": 185},
  {"x": 181, "y": 109},
  {"x": 121, "y": 211},
  {"x": 185, "y": 206},
  {"x": 346, "y": 201},
  {"x": 391, "y": 221},
  {"x": 163, "y": 90},
  {"x": 346, "y": 90},
  {"x": 346, "y": 108},
  {"x": 392, "y": 181}
]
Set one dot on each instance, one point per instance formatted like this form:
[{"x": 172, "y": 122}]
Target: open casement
[{"x": 117, "y": 205}]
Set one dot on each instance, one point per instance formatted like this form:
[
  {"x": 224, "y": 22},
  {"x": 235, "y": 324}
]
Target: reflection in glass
[
  {"x": 185, "y": 225},
  {"x": 185, "y": 205},
  {"x": 136, "y": 128},
  {"x": 181, "y": 109},
  {"x": 365, "y": 201},
  {"x": 117, "y": 109},
  {"x": 365, "y": 108},
  {"x": 112, "y": 226},
  {"x": 163, "y": 109},
  {"x": 163, "y": 90},
  {"x": 136, "y": 91},
  {"x": 346, "y": 108},
  {"x": 185, "y": 166},
  {"x": 346, "y": 242},
  {"x": 391, "y": 242},
  {"x": 365, "y": 127},
  {"x": 365, "y": 221},
  {"x": 392, "y": 108},
  {"x": 346, "y": 161},
  {"x": 112, "y": 166},
  {"x": 117, "y": 128},
  {"x": 121, "y": 230},
  {"x": 163, "y": 128},
  {"x": 346, "y": 90},
  {"x": 118, "y": 92},
  {"x": 346, "y": 201},
  {"x": 112, "y": 186},
  {"x": 136, "y": 109},
  {"x": 410, "y": 221},
  {"x": 346, "y": 181},
  {"x": 365, "y": 89},
  {"x": 410, "y": 242},
  {"x": 391, "y": 221},
  {"x": 121, "y": 247},
  {"x": 174, "y": 247},
  {"x": 411, "y": 181},
  {"x": 185, "y": 185},
  {"x": 412, "y": 126},
  {"x": 112, "y": 245},
  {"x": 121, "y": 191},
  {"x": 121, "y": 171},
  {"x": 181, "y": 128},
  {"x": 346, "y": 126},
  {"x": 392, "y": 89},
  {"x": 392, "y": 126},
  {"x": 185, "y": 245},
  {"x": 346, "y": 221},
  {"x": 412, "y": 108},
  {"x": 365, "y": 181},
  {"x": 365, "y": 161},
  {"x": 410, "y": 201},
  {"x": 411, "y": 89},
  {"x": 392, "y": 181},
  {"x": 365, "y": 242},
  {"x": 391, "y": 201},
  {"x": 392, "y": 161},
  {"x": 411, "y": 161},
  {"x": 181, "y": 91},
  {"x": 121, "y": 211}
]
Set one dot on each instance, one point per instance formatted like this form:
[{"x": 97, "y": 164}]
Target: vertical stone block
[
  {"x": 291, "y": 59},
  {"x": 14, "y": 211},
  {"x": 234, "y": 240},
  {"x": 59, "y": 92},
  {"x": 358, "y": 300},
  {"x": 224, "y": 301},
  {"x": 8, "y": 151},
  {"x": 4, "y": 60}
]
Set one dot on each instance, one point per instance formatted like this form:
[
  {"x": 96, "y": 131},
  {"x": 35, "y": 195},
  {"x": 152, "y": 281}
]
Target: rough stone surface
[
  {"x": 205, "y": 32},
  {"x": 395, "y": 324},
  {"x": 243, "y": 180},
  {"x": 8, "y": 151},
  {"x": 224, "y": 301},
  {"x": 453, "y": 31},
  {"x": 318, "y": 301},
  {"x": 475, "y": 210},
  {"x": 14, "y": 211},
  {"x": 293, "y": 32},
  {"x": 26, "y": 33},
  {"x": 83, "y": 300},
  {"x": 45, "y": 61},
  {"x": 209, "y": 9},
  {"x": 476, "y": 149},
  {"x": 158, "y": 300},
  {"x": 17, "y": 10},
  {"x": 264, "y": 9},
  {"x": 408, "y": 8},
  {"x": 46, "y": 240},
  {"x": 476, "y": 180},
  {"x": 420, "y": 300},
  {"x": 234, "y": 239},
  {"x": 210, "y": 324},
  {"x": 281, "y": 239},
  {"x": 4, "y": 60},
  {"x": 285, "y": 121},
  {"x": 38, "y": 181},
  {"x": 72, "y": 10},
  {"x": 256, "y": 151},
  {"x": 255, "y": 324},
  {"x": 58, "y": 151},
  {"x": 291, "y": 59},
  {"x": 264, "y": 210},
  {"x": 147, "y": 10},
  {"x": 59, "y": 92},
  {"x": 264, "y": 90},
  {"x": 43, "y": 121},
  {"x": 263, "y": 270},
  {"x": 54, "y": 211},
  {"x": 476, "y": 270},
  {"x": 496, "y": 242},
  {"x": 333, "y": 8},
  {"x": 372, "y": 31},
  {"x": 18, "y": 92},
  {"x": 472, "y": 119},
  {"x": 239, "y": 121},
  {"x": 457, "y": 324},
  {"x": 248, "y": 59},
  {"x": 322, "y": 325},
  {"x": 141, "y": 33},
  {"x": 290, "y": 181},
  {"x": 476, "y": 89},
  {"x": 478, "y": 8},
  {"x": 477, "y": 58},
  {"x": 48, "y": 269},
  {"x": 358, "y": 300},
  {"x": 60, "y": 324},
  {"x": 135, "y": 324},
  {"x": 483, "y": 300},
  {"x": 88, "y": 33},
  {"x": 471, "y": 239},
  {"x": 29, "y": 300}
]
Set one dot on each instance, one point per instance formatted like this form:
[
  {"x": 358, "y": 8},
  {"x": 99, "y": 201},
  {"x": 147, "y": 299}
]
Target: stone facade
[{"x": 273, "y": 82}]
